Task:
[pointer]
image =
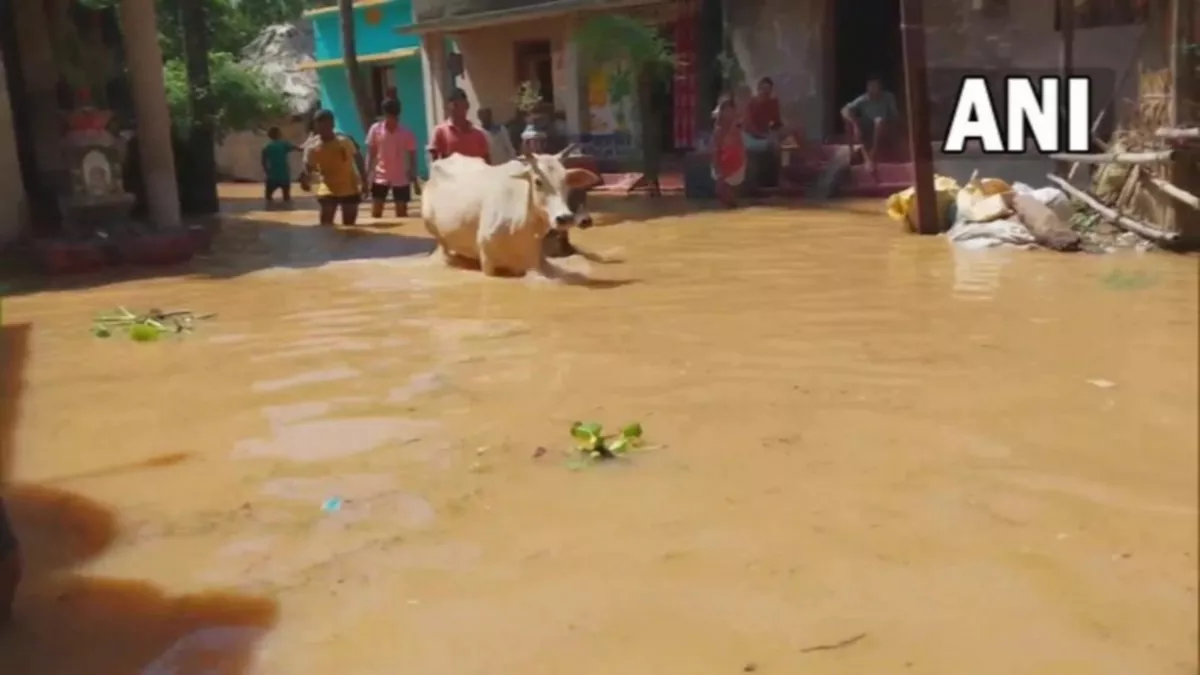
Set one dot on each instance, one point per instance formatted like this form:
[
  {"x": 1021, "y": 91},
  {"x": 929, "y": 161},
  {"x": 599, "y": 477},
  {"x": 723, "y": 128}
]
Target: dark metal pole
[
  {"x": 1066, "y": 60},
  {"x": 1183, "y": 173},
  {"x": 1183, "y": 21},
  {"x": 916, "y": 89},
  {"x": 1066, "y": 24}
]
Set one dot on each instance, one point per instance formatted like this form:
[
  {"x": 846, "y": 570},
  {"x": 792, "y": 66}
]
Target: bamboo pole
[
  {"x": 1122, "y": 221},
  {"x": 1173, "y": 133},
  {"x": 1178, "y": 194},
  {"x": 916, "y": 90},
  {"x": 1157, "y": 157}
]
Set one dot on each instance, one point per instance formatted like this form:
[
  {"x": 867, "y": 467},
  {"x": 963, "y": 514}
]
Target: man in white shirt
[{"x": 498, "y": 139}]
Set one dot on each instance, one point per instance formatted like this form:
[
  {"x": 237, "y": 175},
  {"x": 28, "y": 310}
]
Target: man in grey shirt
[
  {"x": 498, "y": 138},
  {"x": 872, "y": 118}
]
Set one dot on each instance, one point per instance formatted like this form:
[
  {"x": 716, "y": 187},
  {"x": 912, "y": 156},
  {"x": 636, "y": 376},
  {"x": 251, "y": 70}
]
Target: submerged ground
[{"x": 930, "y": 462}]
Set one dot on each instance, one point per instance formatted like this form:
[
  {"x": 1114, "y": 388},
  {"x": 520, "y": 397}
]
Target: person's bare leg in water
[
  {"x": 328, "y": 209},
  {"x": 877, "y": 139},
  {"x": 349, "y": 207}
]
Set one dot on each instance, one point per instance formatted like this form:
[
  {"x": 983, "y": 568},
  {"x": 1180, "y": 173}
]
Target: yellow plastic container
[{"x": 902, "y": 205}]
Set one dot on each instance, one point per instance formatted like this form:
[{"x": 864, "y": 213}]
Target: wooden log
[
  {"x": 1124, "y": 222},
  {"x": 1174, "y": 133},
  {"x": 1118, "y": 157},
  {"x": 1182, "y": 196}
]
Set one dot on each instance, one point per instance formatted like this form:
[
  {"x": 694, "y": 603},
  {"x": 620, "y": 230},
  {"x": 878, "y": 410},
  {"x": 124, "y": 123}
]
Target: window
[
  {"x": 532, "y": 62},
  {"x": 1101, "y": 13}
]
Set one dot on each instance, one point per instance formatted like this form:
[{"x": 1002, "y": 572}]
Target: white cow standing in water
[{"x": 497, "y": 216}]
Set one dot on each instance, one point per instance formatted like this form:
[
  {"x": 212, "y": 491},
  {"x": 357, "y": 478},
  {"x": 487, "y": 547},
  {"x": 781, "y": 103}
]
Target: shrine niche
[
  {"x": 92, "y": 193},
  {"x": 95, "y": 198}
]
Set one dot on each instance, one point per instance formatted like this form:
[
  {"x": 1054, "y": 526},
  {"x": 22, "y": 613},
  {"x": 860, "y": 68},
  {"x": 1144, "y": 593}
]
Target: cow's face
[{"x": 549, "y": 184}]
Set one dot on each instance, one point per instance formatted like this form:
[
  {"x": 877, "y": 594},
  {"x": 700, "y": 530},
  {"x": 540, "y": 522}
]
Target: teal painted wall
[
  {"x": 410, "y": 85},
  {"x": 370, "y": 39}
]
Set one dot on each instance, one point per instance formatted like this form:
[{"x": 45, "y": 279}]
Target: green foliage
[
  {"x": 240, "y": 96},
  {"x": 620, "y": 82},
  {"x": 610, "y": 39},
  {"x": 232, "y": 24}
]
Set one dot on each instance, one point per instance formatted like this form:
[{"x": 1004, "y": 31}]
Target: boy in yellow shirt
[{"x": 337, "y": 162}]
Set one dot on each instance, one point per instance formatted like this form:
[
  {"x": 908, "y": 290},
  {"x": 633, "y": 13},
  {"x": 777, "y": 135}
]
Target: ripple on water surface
[
  {"x": 311, "y": 377},
  {"x": 327, "y": 439}
]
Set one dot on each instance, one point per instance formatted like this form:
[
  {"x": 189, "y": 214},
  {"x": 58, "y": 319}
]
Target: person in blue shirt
[
  {"x": 872, "y": 118},
  {"x": 276, "y": 166}
]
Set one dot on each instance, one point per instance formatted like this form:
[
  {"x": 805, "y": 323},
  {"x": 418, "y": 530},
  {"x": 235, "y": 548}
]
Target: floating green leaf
[
  {"x": 144, "y": 332},
  {"x": 587, "y": 432},
  {"x": 632, "y": 431}
]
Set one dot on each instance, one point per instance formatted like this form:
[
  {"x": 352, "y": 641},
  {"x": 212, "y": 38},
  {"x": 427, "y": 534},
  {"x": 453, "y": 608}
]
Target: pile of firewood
[{"x": 1148, "y": 172}]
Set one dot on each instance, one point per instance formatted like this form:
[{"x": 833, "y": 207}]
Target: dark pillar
[
  {"x": 1066, "y": 24},
  {"x": 912, "y": 24},
  {"x": 42, "y": 202},
  {"x": 198, "y": 174},
  {"x": 710, "y": 42}
]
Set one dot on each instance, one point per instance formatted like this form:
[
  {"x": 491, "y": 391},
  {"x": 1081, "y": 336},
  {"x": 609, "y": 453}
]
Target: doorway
[
  {"x": 532, "y": 62},
  {"x": 866, "y": 41}
]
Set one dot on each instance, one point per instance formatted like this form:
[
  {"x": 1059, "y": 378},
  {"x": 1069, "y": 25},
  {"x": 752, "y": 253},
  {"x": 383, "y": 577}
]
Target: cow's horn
[{"x": 566, "y": 152}]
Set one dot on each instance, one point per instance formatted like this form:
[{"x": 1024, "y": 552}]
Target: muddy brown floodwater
[{"x": 978, "y": 463}]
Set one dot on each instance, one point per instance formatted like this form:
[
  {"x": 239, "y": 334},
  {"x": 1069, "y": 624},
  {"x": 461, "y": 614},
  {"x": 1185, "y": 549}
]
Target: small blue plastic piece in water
[{"x": 332, "y": 504}]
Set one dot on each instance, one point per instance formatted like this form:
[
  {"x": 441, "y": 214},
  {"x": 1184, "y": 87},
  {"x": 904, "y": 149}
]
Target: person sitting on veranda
[
  {"x": 872, "y": 118},
  {"x": 766, "y": 132},
  {"x": 764, "y": 120}
]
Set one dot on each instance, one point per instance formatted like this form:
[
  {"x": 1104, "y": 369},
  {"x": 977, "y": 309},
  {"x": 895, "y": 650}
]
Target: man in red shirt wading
[{"x": 457, "y": 135}]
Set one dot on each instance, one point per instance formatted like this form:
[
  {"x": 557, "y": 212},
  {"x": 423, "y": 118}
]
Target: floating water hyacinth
[
  {"x": 593, "y": 445},
  {"x": 147, "y": 327}
]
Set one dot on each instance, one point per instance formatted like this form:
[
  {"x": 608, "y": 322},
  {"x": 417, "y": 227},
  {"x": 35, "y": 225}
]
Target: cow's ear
[
  {"x": 522, "y": 172},
  {"x": 582, "y": 179}
]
